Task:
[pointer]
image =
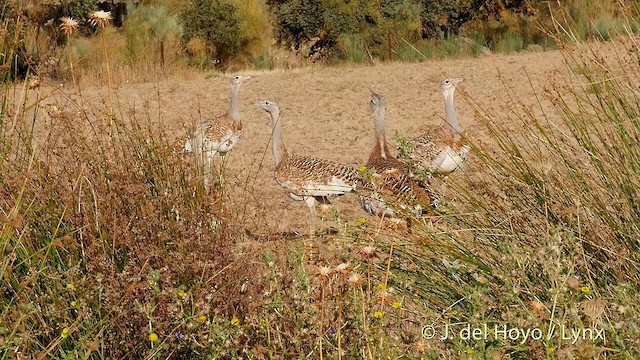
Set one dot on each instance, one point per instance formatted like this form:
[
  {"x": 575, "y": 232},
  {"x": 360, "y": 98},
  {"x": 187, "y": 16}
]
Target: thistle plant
[
  {"x": 102, "y": 19},
  {"x": 342, "y": 270},
  {"x": 324, "y": 274},
  {"x": 69, "y": 26}
]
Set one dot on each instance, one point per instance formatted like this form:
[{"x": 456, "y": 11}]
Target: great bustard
[
  {"x": 442, "y": 150},
  {"x": 305, "y": 178},
  {"x": 392, "y": 190},
  {"x": 218, "y": 135}
]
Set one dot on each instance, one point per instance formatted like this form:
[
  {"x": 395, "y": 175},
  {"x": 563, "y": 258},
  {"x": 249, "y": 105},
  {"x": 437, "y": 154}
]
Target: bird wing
[
  {"x": 316, "y": 177},
  {"x": 390, "y": 189}
]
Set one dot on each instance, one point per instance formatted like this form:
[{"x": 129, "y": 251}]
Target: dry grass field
[
  {"x": 537, "y": 231},
  {"x": 326, "y": 114}
]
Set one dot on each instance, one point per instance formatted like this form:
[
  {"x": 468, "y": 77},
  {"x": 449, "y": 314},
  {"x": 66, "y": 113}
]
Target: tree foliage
[
  {"x": 322, "y": 23},
  {"x": 216, "y": 22}
]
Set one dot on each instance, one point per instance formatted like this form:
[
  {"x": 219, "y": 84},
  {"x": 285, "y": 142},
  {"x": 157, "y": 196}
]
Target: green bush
[
  {"x": 217, "y": 23},
  {"x": 328, "y": 26}
]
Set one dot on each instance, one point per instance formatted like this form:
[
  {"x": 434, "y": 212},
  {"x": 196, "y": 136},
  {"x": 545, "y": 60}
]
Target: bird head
[
  {"x": 239, "y": 79},
  {"x": 269, "y": 106},
  {"x": 448, "y": 86},
  {"x": 377, "y": 102}
]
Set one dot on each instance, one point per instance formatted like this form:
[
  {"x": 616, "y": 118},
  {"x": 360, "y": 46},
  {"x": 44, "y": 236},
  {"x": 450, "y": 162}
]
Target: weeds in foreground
[{"x": 110, "y": 249}]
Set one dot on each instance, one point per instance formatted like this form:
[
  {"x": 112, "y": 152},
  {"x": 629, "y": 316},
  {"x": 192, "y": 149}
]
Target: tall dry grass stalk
[{"x": 101, "y": 19}]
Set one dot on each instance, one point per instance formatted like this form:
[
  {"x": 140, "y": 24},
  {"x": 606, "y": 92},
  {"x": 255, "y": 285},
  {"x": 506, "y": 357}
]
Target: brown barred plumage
[
  {"x": 392, "y": 191},
  {"x": 441, "y": 150},
  {"x": 219, "y": 134},
  {"x": 306, "y": 178}
]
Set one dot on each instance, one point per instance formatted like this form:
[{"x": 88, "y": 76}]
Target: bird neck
[
  {"x": 235, "y": 107},
  {"x": 380, "y": 146},
  {"x": 279, "y": 151},
  {"x": 452, "y": 119}
]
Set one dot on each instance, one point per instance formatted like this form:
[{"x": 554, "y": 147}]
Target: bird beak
[{"x": 457, "y": 81}]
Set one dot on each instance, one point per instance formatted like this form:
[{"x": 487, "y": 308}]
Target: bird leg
[
  {"x": 223, "y": 165},
  {"x": 311, "y": 203},
  {"x": 208, "y": 163}
]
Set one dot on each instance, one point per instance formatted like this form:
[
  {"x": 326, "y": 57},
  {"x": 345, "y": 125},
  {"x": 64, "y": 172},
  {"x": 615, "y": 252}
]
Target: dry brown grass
[{"x": 108, "y": 233}]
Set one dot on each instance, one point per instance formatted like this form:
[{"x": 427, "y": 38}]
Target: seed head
[
  {"x": 100, "y": 18},
  {"x": 355, "y": 280},
  {"x": 68, "y": 25},
  {"x": 368, "y": 251},
  {"x": 537, "y": 307},
  {"x": 343, "y": 268},
  {"x": 324, "y": 271}
]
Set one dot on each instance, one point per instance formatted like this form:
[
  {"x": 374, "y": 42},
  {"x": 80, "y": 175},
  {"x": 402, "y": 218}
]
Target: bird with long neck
[
  {"x": 442, "y": 150},
  {"x": 393, "y": 191},
  {"x": 304, "y": 178},
  {"x": 380, "y": 146},
  {"x": 218, "y": 135}
]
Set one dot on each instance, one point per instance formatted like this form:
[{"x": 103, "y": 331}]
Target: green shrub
[
  {"x": 329, "y": 27},
  {"x": 217, "y": 23}
]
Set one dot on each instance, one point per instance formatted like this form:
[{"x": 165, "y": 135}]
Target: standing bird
[
  {"x": 392, "y": 188},
  {"x": 442, "y": 150},
  {"x": 218, "y": 135},
  {"x": 306, "y": 178}
]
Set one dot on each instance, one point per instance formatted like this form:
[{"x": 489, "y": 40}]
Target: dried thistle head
[
  {"x": 368, "y": 252},
  {"x": 100, "y": 18},
  {"x": 343, "y": 268},
  {"x": 355, "y": 280},
  {"x": 324, "y": 271},
  {"x": 537, "y": 307},
  {"x": 68, "y": 25},
  {"x": 33, "y": 83}
]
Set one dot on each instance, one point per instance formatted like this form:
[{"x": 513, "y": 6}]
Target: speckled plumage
[
  {"x": 441, "y": 149},
  {"x": 305, "y": 178},
  {"x": 391, "y": 190},
  {"x": 220, "y": 134}
]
